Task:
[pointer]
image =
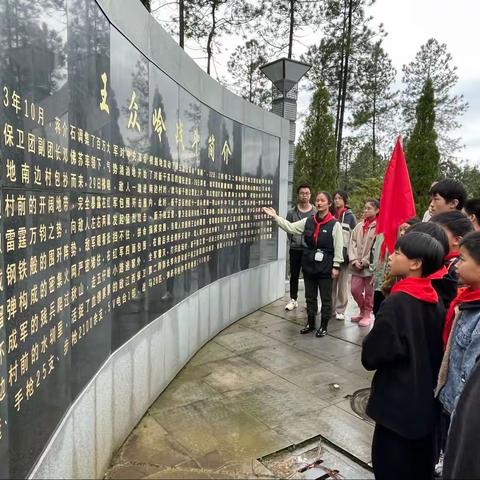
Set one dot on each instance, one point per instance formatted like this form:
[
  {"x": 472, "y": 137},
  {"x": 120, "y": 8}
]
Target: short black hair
[
  {"x": 374, "y": 202},
  {"x": 421, "y": 246},
  {"x": 450, "y": 190},
  {"x": 304, "y": 185},
  {"x": 471, "y": 242},
  {"x": 413, "y": 221},
  {"x": 455, "y": 221},
  {"x": 343, "y": 194},
  {"x": 434, "y": 230},
  {"x": 472, "y": 207}
]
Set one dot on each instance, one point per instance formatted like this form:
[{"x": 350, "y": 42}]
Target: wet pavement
[{"x": 255, "y": 389}]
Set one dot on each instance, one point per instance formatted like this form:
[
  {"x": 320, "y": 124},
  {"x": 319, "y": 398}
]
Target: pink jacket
[{"x": 359, "y": 248}]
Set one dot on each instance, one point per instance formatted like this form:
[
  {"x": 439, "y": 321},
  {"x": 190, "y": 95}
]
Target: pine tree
[
  {"x": 336, "y": 59},
  {"x": 421, "y": 151},
  {"x": 370, "y": 187},
  {"x": 205, "y": 22},
  {"x": 315, "y": 153},
  {"x": 376, "y": 100},
  {"x": 434, "y": 62},
  {"x": 283, "y": 21},
  {"x": 244, "y": 68},
  {"x": 365, "y": 165}
]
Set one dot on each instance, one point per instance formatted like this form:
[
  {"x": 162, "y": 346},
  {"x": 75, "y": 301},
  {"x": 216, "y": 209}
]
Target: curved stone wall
[{"x": 130, "y": 232}]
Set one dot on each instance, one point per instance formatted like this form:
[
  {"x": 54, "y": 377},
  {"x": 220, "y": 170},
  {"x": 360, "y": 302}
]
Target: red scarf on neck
[
  {"x": 419, "y": 288},
  {"x": 464, "y": 295},
  {"x": 366, "y": 224},
  {"x": 319, "y": 223},
  {"x": 439, "y": 274},
  {"x": 451, "y": 256},
  {"x": 339, "y": 212}
]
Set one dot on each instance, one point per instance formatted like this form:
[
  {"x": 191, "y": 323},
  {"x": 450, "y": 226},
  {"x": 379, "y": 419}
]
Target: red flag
[{"x": 396, "y": 203}]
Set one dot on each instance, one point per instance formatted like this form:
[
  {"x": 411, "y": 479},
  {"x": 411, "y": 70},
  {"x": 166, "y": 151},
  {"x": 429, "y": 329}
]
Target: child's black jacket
[{"x": 405, "y": 347}]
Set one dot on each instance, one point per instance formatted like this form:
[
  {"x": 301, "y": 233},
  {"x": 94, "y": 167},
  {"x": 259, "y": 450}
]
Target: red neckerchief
[
  {"x": 451, "y": 256},
  {"x": 339, "y": 213},
  {"x": 318, "y": 223},
  {"x": 439, "y": 274},
  {"x": 464, "y": 295},
  {"x": 419, "y": 288},
  {"x": 367, "y": 222}
]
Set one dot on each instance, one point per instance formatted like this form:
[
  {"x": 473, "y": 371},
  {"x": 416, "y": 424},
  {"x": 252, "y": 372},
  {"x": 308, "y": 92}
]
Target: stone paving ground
[{"x": 256, "y": 388}]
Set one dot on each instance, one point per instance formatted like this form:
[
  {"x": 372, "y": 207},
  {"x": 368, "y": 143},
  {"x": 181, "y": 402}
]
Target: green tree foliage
[
  {"x": 244, "y": 68},
  {"x": 210, "y": 19},
  {"x": 434, "y": 62},
  {"x": 365, "y": 165},
  {"x": 422, "y": 154},
  {"x": 469, "y": 175},
  {"x": 315, "y": 152},
  {"x": 205, "y": 22},
  {"x": 283, "y": 22},
  {"x": 367, "y": 188},
  {"x": 376, "y": 103},
  {"x": 335, "y": 60},
  {"x": 351, "y": 146}
]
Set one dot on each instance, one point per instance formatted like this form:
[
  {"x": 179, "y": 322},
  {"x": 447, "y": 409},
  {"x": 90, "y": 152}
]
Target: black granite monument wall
[{"x": 121, "y": 194}]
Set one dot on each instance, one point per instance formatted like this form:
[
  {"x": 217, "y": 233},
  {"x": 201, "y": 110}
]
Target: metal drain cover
[
  {"x": 315, "y": 458},
  {"x": 358, "y": 403}
]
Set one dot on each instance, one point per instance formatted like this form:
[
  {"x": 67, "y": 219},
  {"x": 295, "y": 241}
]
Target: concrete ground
[{"x": 256, "y": 388}]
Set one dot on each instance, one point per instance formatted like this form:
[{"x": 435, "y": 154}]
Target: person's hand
[
  {"x": 270, "y": 211},
  {"x": 335, "y": 273}
]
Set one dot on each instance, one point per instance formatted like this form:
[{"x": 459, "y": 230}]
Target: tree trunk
[
  {"x": 181, "y": 17},
  {"x": 292, "y": 24},
  {"x": 210, "y": 37},
  {"x": 344, "y": 82},
  {"x": 374, "y": 134},
  {"x": 250, "y": 84},
  {"x": 340, "y": 75}
]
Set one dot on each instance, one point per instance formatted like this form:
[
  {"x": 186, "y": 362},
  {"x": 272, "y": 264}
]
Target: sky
[{"x": 410, "y": 23}]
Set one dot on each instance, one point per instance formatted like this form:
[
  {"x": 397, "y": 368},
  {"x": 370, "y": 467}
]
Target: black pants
[
  {"x": 295, "y": 266},
  {"x": 312, "y": 285},
  {"x": 395, "y": 457}
]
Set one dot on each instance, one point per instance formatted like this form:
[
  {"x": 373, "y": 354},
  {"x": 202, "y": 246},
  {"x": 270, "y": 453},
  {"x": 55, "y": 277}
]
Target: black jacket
[
  {"x": 461, "y": 455},
  {"x": 349, "y": 218},
  {"x": 405, "y": 347},
  {"x": 447, "y": 286}
]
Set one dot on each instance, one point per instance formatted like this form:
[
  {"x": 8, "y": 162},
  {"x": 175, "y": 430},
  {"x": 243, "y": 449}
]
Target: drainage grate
[
  {"x": 316, "y": 458},
  {"x": 358, "y": 403}
]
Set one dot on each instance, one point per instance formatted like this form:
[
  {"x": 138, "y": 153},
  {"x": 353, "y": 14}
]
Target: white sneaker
[
  {"x": 439, "y": 466},
  {"x": 291, "y": 305},
  {"x": 340, "y": 317}
]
